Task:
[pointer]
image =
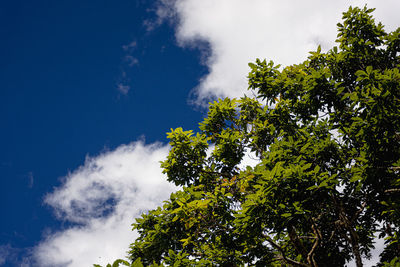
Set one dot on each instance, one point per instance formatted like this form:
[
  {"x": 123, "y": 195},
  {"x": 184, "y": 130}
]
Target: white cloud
[
  {"x": 129, "y": 47},
  {"x": 102, "y": 198},
  {"x": 123, "y": 88},
  {"x": 131, "y": 61},
  {"x": 5, "y": 252},
  {"x": 239, "y": 31},
  {"x": 250, "y": 159}
]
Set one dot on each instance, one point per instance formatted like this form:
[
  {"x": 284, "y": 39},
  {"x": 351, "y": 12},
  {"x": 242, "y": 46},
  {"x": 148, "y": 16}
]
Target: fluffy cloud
[
  {"x": 239, "y": 31},
  {"x": 101, "y": 199}
]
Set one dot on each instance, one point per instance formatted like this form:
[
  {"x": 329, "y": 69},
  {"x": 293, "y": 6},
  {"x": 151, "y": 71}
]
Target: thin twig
[{"x": 393, "y": 190}]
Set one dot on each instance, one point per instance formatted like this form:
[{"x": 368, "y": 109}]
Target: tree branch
[
  {"x": 353, "y": 234},
  {"x": 298, "y": 245},
  {"x": 283, "y": 256},
  {"x": 223, "y": 174},
  {"x": 393, "y": 190},
  {"x": 318, "y": 236}
]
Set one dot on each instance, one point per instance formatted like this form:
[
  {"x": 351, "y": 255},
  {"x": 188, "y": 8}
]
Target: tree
[{"x": 326, "y": 133}]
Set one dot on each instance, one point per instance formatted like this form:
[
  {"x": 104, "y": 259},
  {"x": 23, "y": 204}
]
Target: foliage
[
  {"x": 327, "y": 136},
  {"x": 116, "y": 263}
]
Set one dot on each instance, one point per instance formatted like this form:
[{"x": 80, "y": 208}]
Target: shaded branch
[
  {"x": 353, "y": 240},
  {"x": 318, "y": 237},
  {"x": 393, "y": 190},
  {"x": 223, "y": 174},
  {"x": 283, "y": 256},
  {"x": 298, "y": 245}
]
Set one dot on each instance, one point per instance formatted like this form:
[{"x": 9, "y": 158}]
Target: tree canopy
[{"x": 326, "y": 136}]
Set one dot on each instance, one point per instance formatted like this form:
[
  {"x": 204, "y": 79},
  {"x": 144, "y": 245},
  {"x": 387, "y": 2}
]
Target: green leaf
[{"x": 137, "y": 263}]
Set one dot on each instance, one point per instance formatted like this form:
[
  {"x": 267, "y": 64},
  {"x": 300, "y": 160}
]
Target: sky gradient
[{"x": 89, "y": 89}]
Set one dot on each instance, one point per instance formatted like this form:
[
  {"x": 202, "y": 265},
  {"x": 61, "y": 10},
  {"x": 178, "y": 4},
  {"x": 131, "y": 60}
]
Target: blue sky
[
  {"x": 89, "y": 89},
  {"x": 62, "y": 63}
]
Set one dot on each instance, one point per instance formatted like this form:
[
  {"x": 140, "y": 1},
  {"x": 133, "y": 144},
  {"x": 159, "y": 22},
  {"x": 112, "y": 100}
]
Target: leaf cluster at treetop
[{"x": 326, "y": 133}]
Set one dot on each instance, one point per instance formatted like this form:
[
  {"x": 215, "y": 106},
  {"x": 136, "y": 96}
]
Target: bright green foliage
[
  {"x": 327, "y": 136},
  {"x": 136, "y": 263}
]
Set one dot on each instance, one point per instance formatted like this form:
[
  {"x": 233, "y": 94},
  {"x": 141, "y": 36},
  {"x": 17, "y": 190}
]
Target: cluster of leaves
[
  {"x": 326, "y": 133},
  {"x": 117, "y": 263}
]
